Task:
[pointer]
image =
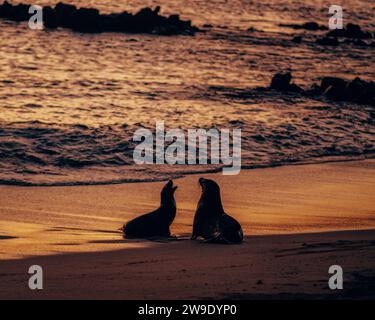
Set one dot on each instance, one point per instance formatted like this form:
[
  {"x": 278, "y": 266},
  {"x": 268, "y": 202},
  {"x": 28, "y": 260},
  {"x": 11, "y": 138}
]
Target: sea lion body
[
  {"x": 231, "y": 231},
  {"x": 156, "y": 223},
  {"x": 211, "y": 222}
]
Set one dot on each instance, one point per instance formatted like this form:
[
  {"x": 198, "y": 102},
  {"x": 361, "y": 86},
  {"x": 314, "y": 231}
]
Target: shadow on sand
[{"x": 193, "y": 270}]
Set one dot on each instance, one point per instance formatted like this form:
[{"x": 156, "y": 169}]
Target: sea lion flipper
[{"x": 217, "y": 238}]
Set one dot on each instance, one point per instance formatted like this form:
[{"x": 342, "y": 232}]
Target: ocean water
[{"x": 71, "y": 102}]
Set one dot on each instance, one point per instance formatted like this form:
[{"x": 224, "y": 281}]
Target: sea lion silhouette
[
  {"x": 210, "y": 221},
  {"x": 156, "y": 223}
]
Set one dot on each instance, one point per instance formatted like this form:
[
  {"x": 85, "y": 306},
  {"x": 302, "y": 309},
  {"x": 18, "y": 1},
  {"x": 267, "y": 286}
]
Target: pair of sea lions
[{"x": 211, "y": 223}]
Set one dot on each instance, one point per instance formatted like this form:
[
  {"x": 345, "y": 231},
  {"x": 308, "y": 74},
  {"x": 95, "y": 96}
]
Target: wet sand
[{"x": 290, "y": 216}]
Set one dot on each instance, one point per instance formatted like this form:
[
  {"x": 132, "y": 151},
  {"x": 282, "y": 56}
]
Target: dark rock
[
  {"x": 335, "y": 93},
  {"x": 157, "y": 10},
  {"x": 359, "y": 42},
  {"x": 311, "y": 26},
  {"x": 21, "y": 12},
  {"x": 357, "y": 90},
  {"x": 336, "y": 33},
  {"x": 50, "y": 18},
  {"x": 86, "y": 20},
  {"x": 145, "y": 20},
  {"x": 64, "y": 13},
  {"x": 6, "y": 9},
  {"x": 327, "y": 41},
  {"x": 17, "y": 13},
  {"x": 314, "y": 90},
  {"x": 353, "y": 31},
  {"x": 89, "y": 20},
  {"x": 117, "y": 22},
  {"x": 281, "y": 82},
  {"x": 356, "y": 87},
  {"x": 295, "y": 88},
  {"x": 297, "y": 39},
  {"x": 174, "y": 19},
  {"x": 332, "y": 82},
  {"x": 334, "y": 88},
  {"x": 361, "y": 91},
  {"x": 65, "y": 10}
]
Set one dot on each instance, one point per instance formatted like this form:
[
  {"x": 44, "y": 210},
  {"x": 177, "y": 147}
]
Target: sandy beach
[
  {"x": 102, "y": 102},
  {"x": 298, "y": 221}
]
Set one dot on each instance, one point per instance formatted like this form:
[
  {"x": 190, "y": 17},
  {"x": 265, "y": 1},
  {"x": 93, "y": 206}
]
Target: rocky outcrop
[
  {"x": 89, "y": 20},
  {"x": 352, "y": 31},
  {"x": 281, "y": 82},
  {"x": 357, "y": 90},
  {"x": 310, "y": 26},
  {"x": 351, "y": 34},
  {"x": 328, "y": 41},
  {"x": 334, "y": 88}
]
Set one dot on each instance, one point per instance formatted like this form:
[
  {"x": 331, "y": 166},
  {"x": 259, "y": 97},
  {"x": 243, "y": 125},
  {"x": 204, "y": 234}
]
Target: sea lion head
[
  {"x": 167, "y": 194},
  {"x": 210, "y": 192},
  {"x": 210, "y": 201},
  {"x": 209, "y": 187}
]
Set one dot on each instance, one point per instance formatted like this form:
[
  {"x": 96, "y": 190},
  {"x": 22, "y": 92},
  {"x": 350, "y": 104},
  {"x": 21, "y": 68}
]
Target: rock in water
[
  {"x": 332, "y": 82},
  {"x": 357, "y": 90},
  {"x": 281, "y": 82},
  {"x": 338, "y": 89},
  {"x": 361, "y": 91},
  {"x": 89, "y": 20},
  {"x": 351, "y": 30},
  {"x": 86, "y": 20},
  {"x": 328, "y": 41}
]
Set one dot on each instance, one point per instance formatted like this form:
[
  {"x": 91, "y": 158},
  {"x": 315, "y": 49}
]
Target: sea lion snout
[
  {"x": 169, "y": 187},
  {"x": 167, "y": 194},
  {"x": 201, "y": 182}
]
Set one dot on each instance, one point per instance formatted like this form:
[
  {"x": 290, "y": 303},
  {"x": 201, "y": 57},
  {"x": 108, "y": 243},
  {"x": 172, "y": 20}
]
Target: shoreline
[
  {"x": 180, "y": 175},
  {"x": 280, "y": 200}
]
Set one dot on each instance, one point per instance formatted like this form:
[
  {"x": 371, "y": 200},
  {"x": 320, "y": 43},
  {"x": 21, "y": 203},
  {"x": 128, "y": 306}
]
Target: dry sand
[{"x": 288, "y": 215}]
